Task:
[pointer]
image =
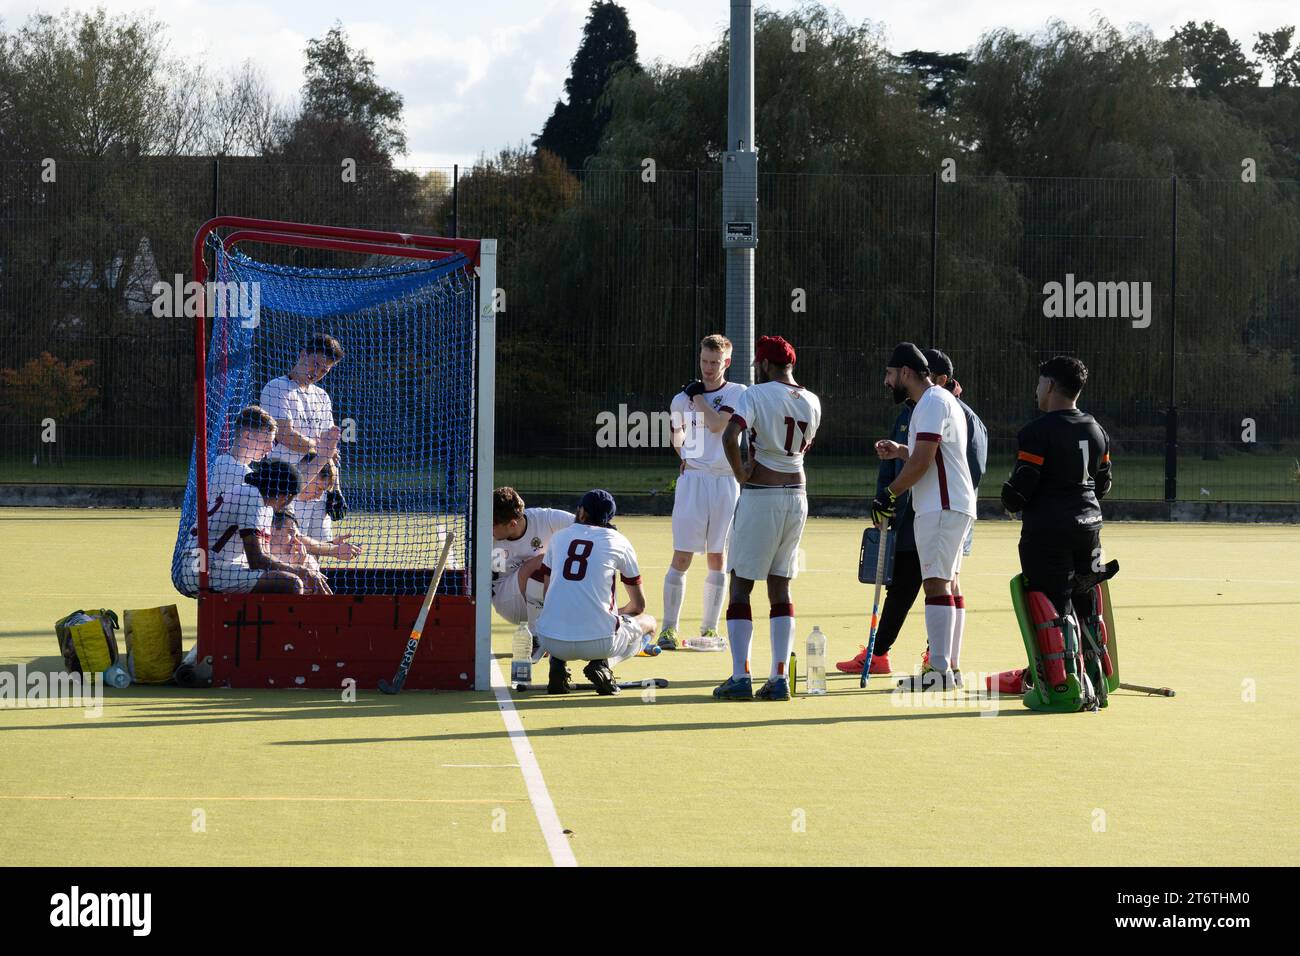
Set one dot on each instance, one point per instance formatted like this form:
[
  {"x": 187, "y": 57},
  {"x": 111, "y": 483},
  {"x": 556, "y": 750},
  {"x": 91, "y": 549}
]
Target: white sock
[
  {"x": 781, "y": 627},
  {"x": 715, "y": 590},
  {"x": 674, "y": 591},
  {"x": 958, "y": 630},
  {"x": 940, "y": 618},
  {"x": 740, "y": 635}
]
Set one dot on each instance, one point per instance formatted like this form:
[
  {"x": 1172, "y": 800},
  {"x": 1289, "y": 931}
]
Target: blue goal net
[{"x": 401, "y": 397}]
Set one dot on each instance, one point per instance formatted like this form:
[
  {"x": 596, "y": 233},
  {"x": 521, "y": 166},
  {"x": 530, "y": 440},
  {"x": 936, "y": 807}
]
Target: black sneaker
[
  {"x": 559, "y": 682},
  {"x": 601, "y": 677}
]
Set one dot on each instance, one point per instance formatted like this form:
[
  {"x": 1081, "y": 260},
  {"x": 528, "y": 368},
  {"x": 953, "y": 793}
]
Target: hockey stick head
[{"x": 392, "y": 688}]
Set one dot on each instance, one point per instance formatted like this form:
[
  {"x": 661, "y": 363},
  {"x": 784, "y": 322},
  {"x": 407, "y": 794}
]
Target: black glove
[
  {"x": 882, "y": 507},
  {"x": 693, "y": 388},
  {"x": 335, "y": 506}
]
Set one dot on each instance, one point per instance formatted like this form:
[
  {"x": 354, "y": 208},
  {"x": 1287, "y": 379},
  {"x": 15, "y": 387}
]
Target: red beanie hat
[{"x": 775, "y": 349}]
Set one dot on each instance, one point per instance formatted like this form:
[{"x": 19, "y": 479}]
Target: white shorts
[
  {"x": 624, "y": 643},
  {"x": 507, "y": 599},
  {"x": 766, "y": 531},
  {"x": 702, "y": 509},
  {"x": 939, "y": 539},
  {"x": 225, "y": 578}
]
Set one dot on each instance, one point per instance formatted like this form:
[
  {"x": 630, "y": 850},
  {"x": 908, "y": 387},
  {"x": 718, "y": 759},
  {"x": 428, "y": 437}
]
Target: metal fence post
[
  {"x": 695, "y": 243},
  {"x": 455, "y": 201},
  {"x": 1171, "y": 415},
  {"x": 934, "y": 257},
  {"x": 216, "y": 187}
]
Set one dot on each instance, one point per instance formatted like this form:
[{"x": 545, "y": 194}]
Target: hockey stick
[
  {"x": 413, "y": 642},
  {"x": 875, "y": 605},
  {"x": 1161, "y": 691},
  {"x": 658, "y": 682}
]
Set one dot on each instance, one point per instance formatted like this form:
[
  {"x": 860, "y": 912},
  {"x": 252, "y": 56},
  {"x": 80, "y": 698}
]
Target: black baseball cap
[{"x": 939, "y": 362}]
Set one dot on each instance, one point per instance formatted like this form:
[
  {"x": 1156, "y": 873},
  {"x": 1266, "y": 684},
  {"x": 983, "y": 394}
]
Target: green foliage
[
  {"x": 841, "y": 103},
  {"x": 82, "y": 85},
  {"x": 573, "y": 130},
  {"x": 1211, "y": 59},
  {"x": 345, "y": 112}
]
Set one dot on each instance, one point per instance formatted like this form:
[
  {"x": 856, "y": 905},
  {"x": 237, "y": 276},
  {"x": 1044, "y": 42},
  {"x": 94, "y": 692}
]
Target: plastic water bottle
[
  {"x": 117, "y": 676},
  {"x": 815, "y": 651},
  {"x": 521, "y": 656}
]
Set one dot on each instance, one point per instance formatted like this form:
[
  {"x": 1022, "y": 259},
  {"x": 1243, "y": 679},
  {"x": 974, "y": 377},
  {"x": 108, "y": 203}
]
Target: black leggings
[
  {"x": 1051, "y": 560},
  {"x": 900, "y": 595}
]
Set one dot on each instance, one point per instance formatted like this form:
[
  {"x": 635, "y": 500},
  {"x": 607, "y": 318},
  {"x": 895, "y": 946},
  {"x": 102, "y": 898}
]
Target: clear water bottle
[
  {"x": 521, "y": 656},
  {"x": 815, "y": 662},
  {"x": 117, "y": 676}
]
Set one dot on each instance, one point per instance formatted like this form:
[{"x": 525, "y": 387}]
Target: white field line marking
[
  {"x": 246, "y": 799},
  {"x": 547, "y": 818}
]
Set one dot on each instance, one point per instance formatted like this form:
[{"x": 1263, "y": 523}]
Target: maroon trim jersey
[
  {"x": 781, "y": 420},
  {"x": 946, "y": 485},
  {"x": 585, "y": 564}
]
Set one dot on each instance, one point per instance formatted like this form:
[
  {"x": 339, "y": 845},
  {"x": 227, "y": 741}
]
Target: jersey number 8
[{"x": 575, "y": 562}]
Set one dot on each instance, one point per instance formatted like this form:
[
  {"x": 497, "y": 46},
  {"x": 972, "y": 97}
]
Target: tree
[
  {"x": 1275, "y": 49},
  {"x": 573, "y": 129},
  {"x": 839, "y": 101},
  {"x": 345, "y": 112},
  {"x": 940, "y": 72},
  {"x": 1213, "y": 60},
  {"x": 46, "y": 388},
  {"x": 83, "y": 85}
]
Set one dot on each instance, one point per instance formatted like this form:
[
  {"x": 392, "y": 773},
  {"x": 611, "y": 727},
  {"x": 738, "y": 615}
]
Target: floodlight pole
[{"x": 740, "y": 193}]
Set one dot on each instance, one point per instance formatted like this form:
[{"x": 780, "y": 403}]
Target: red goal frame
[{"x": 321, "y": 641}]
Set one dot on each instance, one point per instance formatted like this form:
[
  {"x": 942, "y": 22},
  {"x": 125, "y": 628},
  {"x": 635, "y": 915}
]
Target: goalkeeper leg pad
[{"x": 1052, "y": 645}]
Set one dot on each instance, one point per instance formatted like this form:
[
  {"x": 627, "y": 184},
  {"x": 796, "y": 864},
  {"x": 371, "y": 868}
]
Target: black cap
[
  {"x": 600, "y": 507},
  {"x": 907, "y": 355},
  {"x": 939, "y": 363},
  {"x": 274, "y": 478}
]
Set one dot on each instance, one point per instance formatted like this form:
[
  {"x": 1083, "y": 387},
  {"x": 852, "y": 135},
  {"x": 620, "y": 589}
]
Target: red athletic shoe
[
  {"x": 1007, "y": 682},
  {"x": 879, "y": 663}
]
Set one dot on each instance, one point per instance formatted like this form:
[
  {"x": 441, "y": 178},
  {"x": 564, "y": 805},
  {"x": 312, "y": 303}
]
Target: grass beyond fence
[{"x": 1234, "y": 477}]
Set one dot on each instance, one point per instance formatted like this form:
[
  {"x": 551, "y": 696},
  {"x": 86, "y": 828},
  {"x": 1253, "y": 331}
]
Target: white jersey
[
  {"x": 308, "y": 410},
  {"x": 233, "y": 507},
  {"x": 702, "y": 448},
  {"x": 782, "y": 421},
  {"x": 585, "y": 563},
  {"x": 946, "y": 485},
  {"x": 313, "y": 522},
  {"x": 540, "y": 525}
]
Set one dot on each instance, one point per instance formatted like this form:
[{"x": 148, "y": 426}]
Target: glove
[
  {"x": 882, "y": 507},
  {"x": 335, "y": 506},
  {"x": 693, "y": 388}
]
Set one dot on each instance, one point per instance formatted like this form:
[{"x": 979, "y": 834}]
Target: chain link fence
[{"x": 1183, "y": 298}]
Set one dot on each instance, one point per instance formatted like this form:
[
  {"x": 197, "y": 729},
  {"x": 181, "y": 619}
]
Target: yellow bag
[
  {"x": 153, "y": 643},
  {"x": 88, "y": 640}
]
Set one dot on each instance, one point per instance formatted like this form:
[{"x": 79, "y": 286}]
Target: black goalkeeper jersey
[{"x": 1062, "y": 468}]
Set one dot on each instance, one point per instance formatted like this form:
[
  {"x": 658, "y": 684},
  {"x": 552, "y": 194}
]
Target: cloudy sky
[{"x": 477, "y": 76}]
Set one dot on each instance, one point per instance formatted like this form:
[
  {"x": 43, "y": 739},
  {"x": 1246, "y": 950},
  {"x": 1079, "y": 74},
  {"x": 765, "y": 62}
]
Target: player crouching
[
  {"x": 582, "y": 568},
  {"x": 782, "y": 418},
  {"x": 519, "y": 539}
]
